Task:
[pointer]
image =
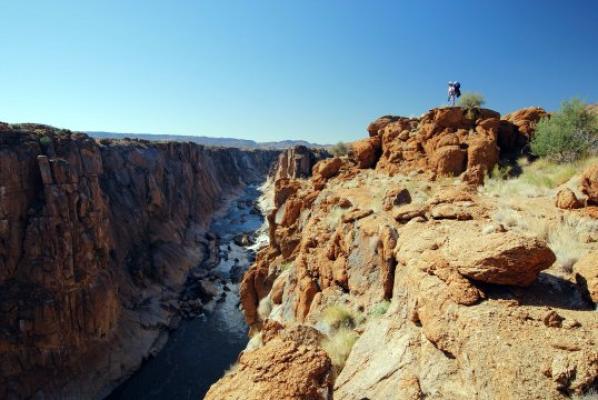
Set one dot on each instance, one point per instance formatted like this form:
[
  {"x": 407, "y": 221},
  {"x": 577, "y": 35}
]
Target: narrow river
[{"x": 203, "y": 348}]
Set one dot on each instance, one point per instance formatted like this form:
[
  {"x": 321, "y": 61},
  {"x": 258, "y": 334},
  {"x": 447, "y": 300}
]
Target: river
[{"x": 201, "y": 349}]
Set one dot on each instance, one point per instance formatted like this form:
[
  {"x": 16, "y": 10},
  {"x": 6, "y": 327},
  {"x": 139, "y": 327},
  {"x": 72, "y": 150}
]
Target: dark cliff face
[{"x": 86, "y": 230}]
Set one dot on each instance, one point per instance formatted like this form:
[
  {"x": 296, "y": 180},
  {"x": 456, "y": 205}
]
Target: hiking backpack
[{"x": 457, "y": 86}]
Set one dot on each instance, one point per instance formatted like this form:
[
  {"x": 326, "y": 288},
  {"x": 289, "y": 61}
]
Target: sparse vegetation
[
  {"x": 592, "y": 394},
  {"x": 471, "y": 100},
  {"x": 568, "y": 134},
  {"x": 338, "y": 346},
  {"x": 337, "y": 316},
  {"x": 380, "y": 308},
  {"x": 339, "y": 149},
  {"x": 563, "y": 236},
  {"x": 45, "y": 141},
  {"x": 536, "y": 178}
]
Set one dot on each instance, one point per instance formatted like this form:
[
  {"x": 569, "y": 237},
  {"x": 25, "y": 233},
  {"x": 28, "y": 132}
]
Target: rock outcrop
[
  {"x": 447, "y": 141},
  {"x": 289, "y": 365},
  {"x": 96, "y": 239},
  {"x": 589, "y": 184},
  {"x": 421, "y": 292}
]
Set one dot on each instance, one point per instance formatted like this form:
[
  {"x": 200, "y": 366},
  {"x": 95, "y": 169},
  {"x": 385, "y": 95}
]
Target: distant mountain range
[{"x": 206, "y": 141}]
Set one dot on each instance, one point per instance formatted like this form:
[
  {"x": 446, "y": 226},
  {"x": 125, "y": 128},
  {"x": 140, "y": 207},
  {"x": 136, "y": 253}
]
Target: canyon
[
  {"x": 96, "y": 242},
  {"x": 402, "y": 270}
]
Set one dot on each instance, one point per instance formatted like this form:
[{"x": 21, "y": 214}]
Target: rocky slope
[
  {"x": 392, "y": 274},
  {"x": 96, "y": 240}
]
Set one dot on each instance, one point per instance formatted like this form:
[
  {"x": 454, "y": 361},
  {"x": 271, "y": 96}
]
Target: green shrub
[
  {"x": 380, "y": 309},
  {"x": 568, "y": 134},
  {"x": 339, "y": 149},
  {"x": 471, "y": 100},
  {"x": 45, "y": 141}
]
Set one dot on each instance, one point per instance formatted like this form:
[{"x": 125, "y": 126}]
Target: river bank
[{"x": 208, "y": 341}]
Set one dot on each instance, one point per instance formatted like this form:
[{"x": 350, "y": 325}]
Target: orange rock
[
  {"x": 589, "y": 184},
  {"x": 526, "y": 119},
  {"x": 449, "y": 160},
  {"x": 366, "y": 152},
  {"x": 586, "y": 274},
  {"x": 283, "y": 189},
  {"x": 380, "y": 123},
  {"x": 566, "y": 199},
  {"x": 406, "y": 213},
  {"x": 396, "y": 197},
  {"x": 501, "y": 258},
  {"x": 355, "y": 215},
  {"x": 328, "y": 168},
  {"x": 284, "y": 368}
]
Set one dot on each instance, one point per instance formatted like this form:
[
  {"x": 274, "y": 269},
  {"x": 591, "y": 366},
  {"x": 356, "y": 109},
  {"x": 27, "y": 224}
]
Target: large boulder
[
  {"x": 289, "y": 366},
  {"x": 449, "y": 160},
  {"x": 526, "y": 119},
  {"x": 500, "y": 258},
  {"x": 589, "y": 183},
  {"x": 586, "y": 274},
  {"x": 326, "y": 169},
  {"x": 567, "y": 200},
  {"x": 366, "y": 152}
]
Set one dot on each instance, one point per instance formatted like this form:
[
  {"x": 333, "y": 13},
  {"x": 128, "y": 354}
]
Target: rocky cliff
[
  {"x": 393, "y": 274},
  {"x": 96, "y": 239}
]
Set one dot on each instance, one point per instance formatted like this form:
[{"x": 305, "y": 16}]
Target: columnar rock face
[
  {"x": 88, "y": 230},
  {"x": 298, "y": 161}
]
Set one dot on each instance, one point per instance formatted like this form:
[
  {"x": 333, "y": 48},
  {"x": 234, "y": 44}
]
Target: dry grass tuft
[
  {"x": 538, "y": 178},
  {"x": 592, "y": 394},
  {"x": 338, "y": 346},
  {"x": 264, "y": 308}
]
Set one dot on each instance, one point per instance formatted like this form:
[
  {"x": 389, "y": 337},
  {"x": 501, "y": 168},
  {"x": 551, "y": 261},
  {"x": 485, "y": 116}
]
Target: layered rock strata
[{"x": 96, "y": 239}]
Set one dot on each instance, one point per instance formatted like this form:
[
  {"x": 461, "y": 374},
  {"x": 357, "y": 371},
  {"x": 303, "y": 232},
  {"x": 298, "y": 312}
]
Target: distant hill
[{"x": 207, "y": 141}]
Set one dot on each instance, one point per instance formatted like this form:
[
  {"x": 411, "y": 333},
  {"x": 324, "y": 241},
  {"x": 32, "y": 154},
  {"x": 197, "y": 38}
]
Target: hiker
[{"x": 454, "y": 92}]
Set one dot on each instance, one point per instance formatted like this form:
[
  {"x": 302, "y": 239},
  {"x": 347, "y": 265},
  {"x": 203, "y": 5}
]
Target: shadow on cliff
[{"x": 548, "y": 290}]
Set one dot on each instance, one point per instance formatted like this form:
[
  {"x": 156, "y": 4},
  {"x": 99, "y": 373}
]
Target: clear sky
[{"x": 319, "y": 70}]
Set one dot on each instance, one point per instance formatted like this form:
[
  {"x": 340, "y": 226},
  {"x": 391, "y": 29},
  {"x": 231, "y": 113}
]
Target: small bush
[
  {"x": 471, "y": 100},
  {"x": 339, "y": 149},
  {"x": 568, "y": 134},
  {"x": 45, "y": 141},
  {"x": 338, "y": 346},
  {"x": 380, "y": 308},
  {"x": 339, "y": 316}
]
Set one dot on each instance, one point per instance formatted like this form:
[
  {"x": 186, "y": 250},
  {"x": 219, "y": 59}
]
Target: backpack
[{"x": 457, "y": 86}]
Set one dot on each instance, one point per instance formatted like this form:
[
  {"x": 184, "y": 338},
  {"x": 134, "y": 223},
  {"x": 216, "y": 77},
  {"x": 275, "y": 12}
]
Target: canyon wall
[
  {"x": 96, "y": 239},
  {"x": 393, "y": 273}
]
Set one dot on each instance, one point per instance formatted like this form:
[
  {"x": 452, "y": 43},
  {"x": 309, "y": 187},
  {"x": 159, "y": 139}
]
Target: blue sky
[{"x": 281, "y": 69}]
